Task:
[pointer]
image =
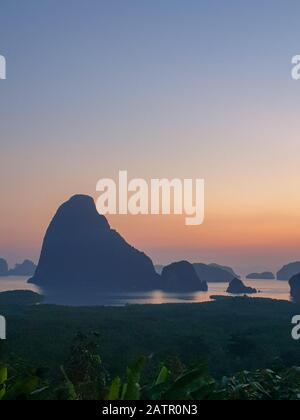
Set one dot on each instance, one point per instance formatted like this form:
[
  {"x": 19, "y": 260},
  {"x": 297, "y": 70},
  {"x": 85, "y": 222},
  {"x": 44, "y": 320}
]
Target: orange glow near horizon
[{"x": 225, "y": 237}]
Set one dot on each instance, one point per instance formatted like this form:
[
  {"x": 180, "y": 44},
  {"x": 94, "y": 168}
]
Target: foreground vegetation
[
  {"x": 193, "y": 350},
  {"x": 84, "y": 378}
]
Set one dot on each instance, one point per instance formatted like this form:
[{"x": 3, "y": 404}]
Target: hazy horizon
[{"x": 247, "y": 264}]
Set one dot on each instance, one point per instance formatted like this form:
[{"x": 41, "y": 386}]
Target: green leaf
[
  {"x": 134, "y": 371},
  {"x": 3, "y": 379},
  {"x": 68, "y": 390},
  {"x": 114, "y": 390},
  {"x": 132, "y": 392},
  {"x": 124, "y": 390},
  {"x": 3, "y": 374},
  {"x": 163, "y": 376},
  {"x": 196, "y": 381},
  {"x": 23, "y": 387}
]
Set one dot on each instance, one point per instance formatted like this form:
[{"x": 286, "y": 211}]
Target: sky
[{"x": 160, "y": 88}]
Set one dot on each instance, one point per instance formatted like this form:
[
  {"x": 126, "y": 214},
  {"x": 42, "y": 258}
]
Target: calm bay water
[
  {"x": 269, "y": 289},
  {"x": 16, "y": 283}
]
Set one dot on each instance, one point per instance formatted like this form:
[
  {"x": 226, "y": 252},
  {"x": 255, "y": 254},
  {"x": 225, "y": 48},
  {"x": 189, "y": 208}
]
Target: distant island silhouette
[
  {"x": 294, "y": 283},
  {"x": 261, "y": 276},
  {"x": 182, "y": 277},
  {"x": 214, "y": 273},
  {"x": 226, "y": 268},
  {"x": 288, "y": 271},
  {"x": 26, "y": 268},
  {"x": 236, "y": 286},
  {"x": 210, "y": 273},
  {"x": 3, "y": 267}
]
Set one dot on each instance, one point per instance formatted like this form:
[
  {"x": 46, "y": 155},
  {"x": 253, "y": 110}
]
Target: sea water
[{"x": 272, "y": 289}]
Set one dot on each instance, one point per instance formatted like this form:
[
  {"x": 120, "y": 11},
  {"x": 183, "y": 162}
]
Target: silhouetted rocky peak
[
  {"x": 182, "y": 277},
  {"x": 237, "y": 287},
  {"x": 288, "y": 271},
  {"x": 81, "y": 254},
  {"x": 80, "y": 209}
]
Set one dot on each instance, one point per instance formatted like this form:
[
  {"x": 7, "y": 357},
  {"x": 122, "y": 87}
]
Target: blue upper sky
[{"x": 160, "y": 88}]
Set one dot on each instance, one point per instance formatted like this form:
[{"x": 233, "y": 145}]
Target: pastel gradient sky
[{"x": 162, "y": 88}]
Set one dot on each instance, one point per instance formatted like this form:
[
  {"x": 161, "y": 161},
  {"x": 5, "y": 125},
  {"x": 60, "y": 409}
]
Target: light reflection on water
[
  {"x": 272, "y": 289},
  {"x": 16, "y": 283}
]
